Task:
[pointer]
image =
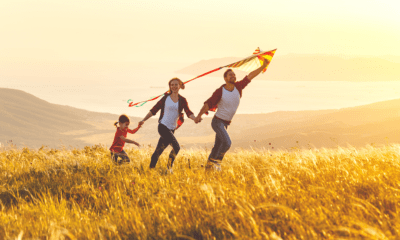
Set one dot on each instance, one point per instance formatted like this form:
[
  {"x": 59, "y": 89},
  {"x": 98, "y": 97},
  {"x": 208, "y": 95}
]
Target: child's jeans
[{"x": 124, "y": 157}]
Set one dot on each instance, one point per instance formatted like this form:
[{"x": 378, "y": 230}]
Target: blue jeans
[
  {"x": 222, "y": 140},
  {"x": 124, "y": 157}
]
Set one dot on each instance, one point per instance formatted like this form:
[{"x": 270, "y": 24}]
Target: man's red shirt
[{"x": 217, "y": 95}]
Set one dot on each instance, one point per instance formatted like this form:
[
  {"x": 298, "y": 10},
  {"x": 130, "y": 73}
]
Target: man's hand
[
  {"x": 265, "y": 63},
  {"x": 198, "y": 119},
  {"x": 203, "y": 110},
  {"x": 254, "y": 73}
]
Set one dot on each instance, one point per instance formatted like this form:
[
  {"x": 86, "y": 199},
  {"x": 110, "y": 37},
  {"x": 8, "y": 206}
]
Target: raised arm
[{"x": 254, "y": 73}]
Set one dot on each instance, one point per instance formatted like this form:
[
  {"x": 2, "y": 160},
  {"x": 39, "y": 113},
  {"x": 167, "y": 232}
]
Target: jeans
[
  {"x": 222, "y": 140},
  {"x": 124, "y": 157},
  {"x": 167, "y": 138}
]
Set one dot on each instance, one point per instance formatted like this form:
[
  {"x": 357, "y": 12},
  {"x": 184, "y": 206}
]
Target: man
[{"x": 226, "y": 99}]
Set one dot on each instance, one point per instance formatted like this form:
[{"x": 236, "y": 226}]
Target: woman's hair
[
  {"x": 180, "y": 83},
  {"x": 227, "y": 71},
  {"x": 122, "y": 119}
]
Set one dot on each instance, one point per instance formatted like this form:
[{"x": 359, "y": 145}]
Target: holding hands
[
  {"x": 198, "y": 119},
  {"x": 195, "y": 119}
]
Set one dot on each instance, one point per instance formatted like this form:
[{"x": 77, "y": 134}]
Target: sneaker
[
  {"x": 170, "y": 171},
  {"x": 124, "y": 162},
  {"x": 169, "y": 166},
  {"x": 217, "y": 167},
  {"x": 214, "y": 164},
  {"x": 209, "y": 165}
]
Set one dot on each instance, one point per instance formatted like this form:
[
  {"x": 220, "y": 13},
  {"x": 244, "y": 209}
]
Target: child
[{"x": 117, "y": 148}]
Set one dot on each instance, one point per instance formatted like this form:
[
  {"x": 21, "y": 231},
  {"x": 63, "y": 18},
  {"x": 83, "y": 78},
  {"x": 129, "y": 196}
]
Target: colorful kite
[{"x": 247, "y": 64}]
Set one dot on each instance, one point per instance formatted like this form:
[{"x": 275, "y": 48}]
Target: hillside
[
  {"x": 376, "y": 123},
  {"x": 313, "y": 68},
  {"x": 32, "y": 122}
]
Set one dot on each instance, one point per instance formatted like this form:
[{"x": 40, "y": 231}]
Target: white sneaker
[
  {"x": 217, "y": 167},
  {"x": 169, "y": 167},
  {"x": 213, "y": 164}
]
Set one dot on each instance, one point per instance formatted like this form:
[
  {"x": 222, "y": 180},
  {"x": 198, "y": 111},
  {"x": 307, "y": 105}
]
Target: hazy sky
[{"x": 189, "y": 31}]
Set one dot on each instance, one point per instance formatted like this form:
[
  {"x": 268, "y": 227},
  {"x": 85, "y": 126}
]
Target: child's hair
[
  {"x": 180, "y": 84},
  {"x": 122, "y": 119}
]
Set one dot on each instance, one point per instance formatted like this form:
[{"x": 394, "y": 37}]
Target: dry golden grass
[{"x": 303, "y": 194}]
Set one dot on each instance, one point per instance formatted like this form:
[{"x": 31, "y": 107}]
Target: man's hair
[
  {"x": 180, "y": 83},
  {"x": 226, "y": 72}
]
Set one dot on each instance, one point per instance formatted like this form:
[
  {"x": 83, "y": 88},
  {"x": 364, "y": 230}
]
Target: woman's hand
[
  {"x": 198, "y": 119},
  {"x": 149, "y": 115}
]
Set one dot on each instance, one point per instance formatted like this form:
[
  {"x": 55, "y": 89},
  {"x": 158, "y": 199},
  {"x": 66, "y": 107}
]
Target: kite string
[
  {"x": 143, "y": 102},
  {"x": 258, "y": 55},
  {"x": 203, "y": 74}
]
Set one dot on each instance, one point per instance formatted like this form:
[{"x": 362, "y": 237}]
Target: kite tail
[{"x": 139, "y": 104}]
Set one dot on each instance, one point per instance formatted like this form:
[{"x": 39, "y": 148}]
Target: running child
[{"x": 117, "y": 147}]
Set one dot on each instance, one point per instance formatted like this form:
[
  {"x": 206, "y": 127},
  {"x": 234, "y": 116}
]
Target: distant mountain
[
  {"x": 33, "y": 122},
  {"x": 313, "y": 68}
]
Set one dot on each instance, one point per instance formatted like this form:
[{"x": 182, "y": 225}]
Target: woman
[{"x": 171, "y": 118}]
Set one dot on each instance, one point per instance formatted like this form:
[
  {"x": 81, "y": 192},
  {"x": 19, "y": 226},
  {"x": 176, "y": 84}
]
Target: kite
[{"x": 247, "y": 64}]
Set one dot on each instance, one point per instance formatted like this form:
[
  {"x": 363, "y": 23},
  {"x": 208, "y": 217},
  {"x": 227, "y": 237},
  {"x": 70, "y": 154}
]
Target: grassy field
[{"x": 343, "y": 193}]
